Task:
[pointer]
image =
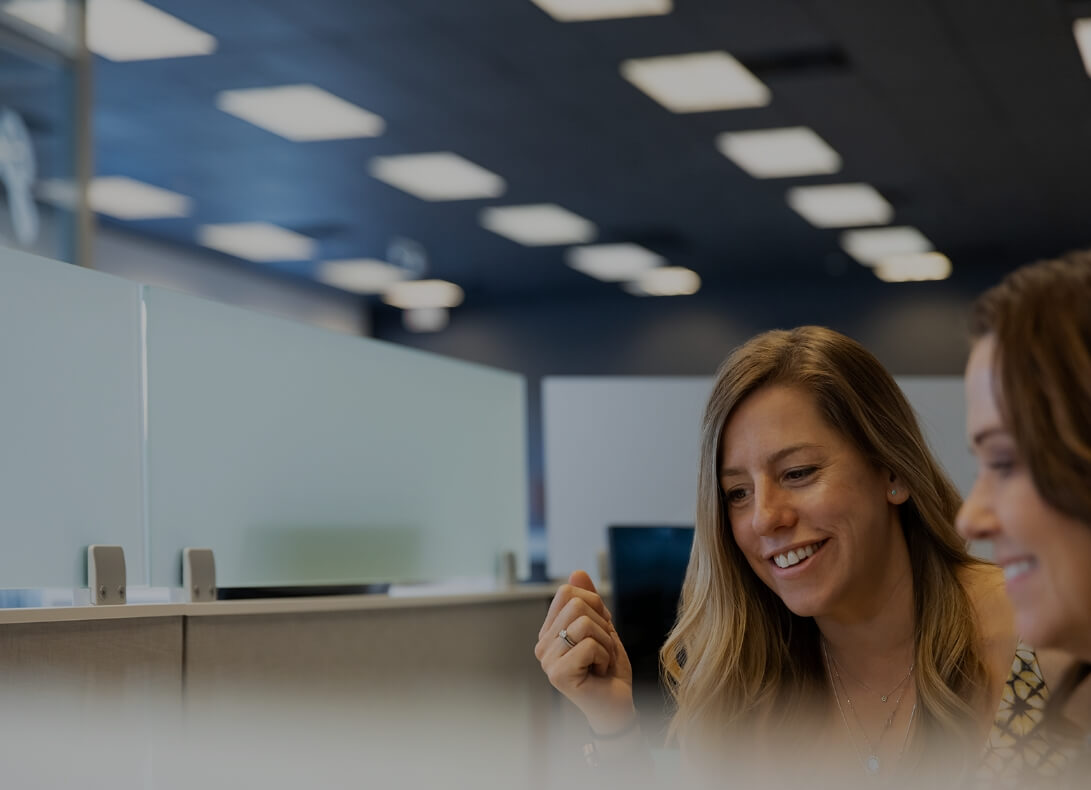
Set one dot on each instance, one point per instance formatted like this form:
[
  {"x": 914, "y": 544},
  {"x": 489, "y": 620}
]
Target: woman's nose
[
  {"x": 773, "y": 510},
  {"x": 976, "y": 519}
]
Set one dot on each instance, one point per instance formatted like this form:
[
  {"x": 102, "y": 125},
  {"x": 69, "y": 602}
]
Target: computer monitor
[{"x": 647, "y": 567}]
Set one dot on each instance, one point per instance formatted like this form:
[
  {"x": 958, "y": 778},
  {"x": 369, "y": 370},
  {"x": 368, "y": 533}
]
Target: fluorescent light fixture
[
  {"x": 538, "y": 225},
  {"x": 613, "y": 262},
  {"x": 586, "y": 10},
  {"x": 913, "y": 268},
  {"x": 437, "y": 176},
  {"x": 426, "y": 319},
  {"x": 126, "y": 198},
  {"x": 48, "y": 15},
  {"x": 870, "y": 246},
  {"x": 698, "y": 82},
  {"x": 840, "y": 205},
  {"x": 665, "y": 281},
  {"x": 362, "y": 276},
  {"x": 414, "y": 294},
  {"x": 779, "y": 153},
  {"x": 257, "y": 241},
  {"x": 1081, "y": 29},
  {"x": 133, "y": 30},
  {"x": 301, "y": 113}
]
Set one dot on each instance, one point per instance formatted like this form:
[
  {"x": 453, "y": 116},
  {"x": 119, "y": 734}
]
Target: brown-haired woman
[
  {"x": 832, "y": 626},
  {"x": 1028, "y": 391}
]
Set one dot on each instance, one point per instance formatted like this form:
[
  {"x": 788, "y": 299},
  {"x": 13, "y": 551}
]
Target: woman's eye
[
  {"x": 1001, "y": 466},
  {"x": 736, "y": 495},
  {"x": 799, "y": 474}
]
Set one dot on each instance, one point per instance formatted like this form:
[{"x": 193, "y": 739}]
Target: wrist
[{"x": 614, "y": 727}]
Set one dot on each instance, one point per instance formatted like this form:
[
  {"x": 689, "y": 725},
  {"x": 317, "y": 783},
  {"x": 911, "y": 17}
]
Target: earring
[{"x": 893, "y": 492}]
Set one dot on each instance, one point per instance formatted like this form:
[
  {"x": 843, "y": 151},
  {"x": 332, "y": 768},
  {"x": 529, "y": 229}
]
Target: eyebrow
[{"x": 772, "y": 459}]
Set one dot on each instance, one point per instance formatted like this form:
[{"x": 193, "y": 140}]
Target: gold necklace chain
[
  {"x": 871, "y": 763},
  {"x": 865, "y": 686}
]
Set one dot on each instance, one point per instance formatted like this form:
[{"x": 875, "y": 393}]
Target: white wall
[{"x": 219, "y": 279}]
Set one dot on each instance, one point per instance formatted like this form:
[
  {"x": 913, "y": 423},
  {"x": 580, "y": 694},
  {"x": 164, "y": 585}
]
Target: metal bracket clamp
[
  {"x": 198, "y": 575},
  {"x": 106, "y": 574},
  {"x": 506, "y": 569}
]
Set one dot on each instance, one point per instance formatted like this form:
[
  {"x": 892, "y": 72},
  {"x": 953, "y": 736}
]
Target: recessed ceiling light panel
[
  {"x": 362, "y": 276},
  {"x": 301, "y": 113},
  {"x": 126, "y": 198},
  {"x": 586, "y": 10},
  {"x": 426, "y": 319},
  {"x": 133, "y": 30},
  {"x": 413, "y": 294},
  {"x": 257, "y": 241},
  {"x": 437, "y": 176},
  {"x": 840, "y": 205},
  {"x": 48, "y": 15},
  {"x": 613, "y": 262},
  {"x": 779, "y": 153},
  {"x": 665, "y": 281},
  {"x": 872, "y": 245},
  {"x": 538, "y": 225},
  {"x": 1081, "y": 29},
  {"x": 697, "y": 82},
  {"x": 913, "y": 268}
]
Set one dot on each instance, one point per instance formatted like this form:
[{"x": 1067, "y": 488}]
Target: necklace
[
  {"x": 882, "y": 697},
  {"x": 871, "y": 763}
]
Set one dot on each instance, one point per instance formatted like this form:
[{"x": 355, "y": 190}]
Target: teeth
[
  {"x": 1011, "y": 570},
  {"x": 795, "y": 556}
]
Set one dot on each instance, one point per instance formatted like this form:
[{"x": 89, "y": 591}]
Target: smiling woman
[
  {"x": 830, "y": 610},
  {"x": 875, "y": 638},
  {"x": 1028, "y": 394}
]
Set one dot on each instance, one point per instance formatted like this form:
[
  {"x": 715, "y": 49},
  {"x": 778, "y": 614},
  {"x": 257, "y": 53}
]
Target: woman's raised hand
[{"x": 591, "y": 667}]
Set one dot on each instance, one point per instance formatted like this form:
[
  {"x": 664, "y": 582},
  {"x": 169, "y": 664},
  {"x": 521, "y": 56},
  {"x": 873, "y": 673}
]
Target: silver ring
[{"x": 564, "y": 635}]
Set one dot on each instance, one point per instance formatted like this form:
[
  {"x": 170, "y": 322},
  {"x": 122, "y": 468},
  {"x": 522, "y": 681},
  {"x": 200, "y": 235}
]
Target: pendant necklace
[{"x": 871, "y": 762}]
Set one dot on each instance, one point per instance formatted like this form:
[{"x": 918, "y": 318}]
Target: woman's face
[
  {"x": 814, "y": 519},
  {"x": 1045, "y": 554}
]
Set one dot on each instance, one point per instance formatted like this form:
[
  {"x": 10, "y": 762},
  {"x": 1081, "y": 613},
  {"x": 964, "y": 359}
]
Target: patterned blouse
[{"x": 1018, "y": 753}]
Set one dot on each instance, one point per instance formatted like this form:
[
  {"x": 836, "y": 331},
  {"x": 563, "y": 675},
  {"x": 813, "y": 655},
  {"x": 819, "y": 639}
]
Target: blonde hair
[{"x": 737, "y": 657}]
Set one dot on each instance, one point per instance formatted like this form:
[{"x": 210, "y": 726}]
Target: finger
[
  {"x": 578, "y": 630},
  {"x": 586, "y": 658},
  {"x": 582, "y": 580},
  {"x": 572, "y": 611},
  {"x": 566, "y": 593}
]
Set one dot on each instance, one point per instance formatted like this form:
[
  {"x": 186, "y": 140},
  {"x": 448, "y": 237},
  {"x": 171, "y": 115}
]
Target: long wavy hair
[
  {"x": 738, "y": 659},
  {"x": 1040, "y": 316}
]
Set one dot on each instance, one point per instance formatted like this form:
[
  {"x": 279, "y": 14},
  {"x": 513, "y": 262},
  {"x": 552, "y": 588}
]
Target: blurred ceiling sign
[{"x": 18, "y": 171}]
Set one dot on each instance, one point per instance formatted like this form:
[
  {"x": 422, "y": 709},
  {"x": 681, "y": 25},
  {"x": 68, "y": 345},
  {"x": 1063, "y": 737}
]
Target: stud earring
[{"x": 893, "y": 492}]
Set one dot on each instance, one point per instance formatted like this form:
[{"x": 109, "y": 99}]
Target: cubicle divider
[
  {"x": 70, "y": 463},
  {"x": 307, "y": 457},
  {"x": 154, "y": 420}
]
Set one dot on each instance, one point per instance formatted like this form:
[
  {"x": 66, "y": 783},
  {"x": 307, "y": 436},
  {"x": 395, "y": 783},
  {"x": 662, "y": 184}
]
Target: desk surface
[{"x": 402, "y": 600}]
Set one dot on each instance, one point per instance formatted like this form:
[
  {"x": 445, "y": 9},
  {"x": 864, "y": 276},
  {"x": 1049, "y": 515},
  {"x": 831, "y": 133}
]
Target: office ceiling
[{"x": 971, "y": 118}]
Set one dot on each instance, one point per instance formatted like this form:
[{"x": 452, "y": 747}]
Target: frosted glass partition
[
  {"x": 302, "y": 456},
  {"x": 70, "y": 424},
  {"x": 622, "y": 450},
  {"x": 618, "y": 450}
]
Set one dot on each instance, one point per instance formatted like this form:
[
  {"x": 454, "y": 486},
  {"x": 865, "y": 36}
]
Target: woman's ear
[{"x": 896, "y": 492}]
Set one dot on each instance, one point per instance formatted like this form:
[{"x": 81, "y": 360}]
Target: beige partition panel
[
  {"x": 91, "y": 703},
  {"x": 421, "y": 696}
]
